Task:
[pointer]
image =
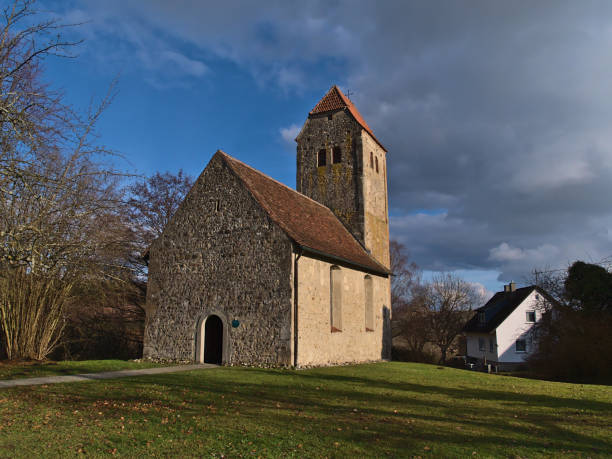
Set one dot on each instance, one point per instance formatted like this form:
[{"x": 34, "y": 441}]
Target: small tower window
[
  {"x": 376, "y": 164},
  {"x": 336, "y": 155},
  {"x": 322, "y": 158},
  {"x": 371, "y": 160}
]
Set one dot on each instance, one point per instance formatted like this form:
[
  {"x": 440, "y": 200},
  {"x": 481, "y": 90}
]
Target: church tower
[{"x": 342, "y": 165}]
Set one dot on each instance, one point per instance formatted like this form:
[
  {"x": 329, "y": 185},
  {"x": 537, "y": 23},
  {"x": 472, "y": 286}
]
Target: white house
[{"x": 502, "y": 332}]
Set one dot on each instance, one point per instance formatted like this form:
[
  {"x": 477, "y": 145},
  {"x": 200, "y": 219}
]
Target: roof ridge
[
  {"x": 230, "y": 157},
  {"x": 233, "y": 163}
]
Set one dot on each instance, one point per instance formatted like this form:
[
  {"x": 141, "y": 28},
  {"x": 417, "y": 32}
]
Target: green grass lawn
[
  {"x": 376, "y": 410},
  {"x": 11, "y": 370}
]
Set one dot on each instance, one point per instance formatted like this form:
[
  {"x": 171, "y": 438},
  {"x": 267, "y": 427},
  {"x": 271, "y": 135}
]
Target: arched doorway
[{"x": 213, "y": 340}]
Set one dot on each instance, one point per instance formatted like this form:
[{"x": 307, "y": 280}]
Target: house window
[
  {"x": 371, "y": 160},
  {"x": 336, "y": 298},
  {"x": 329, "y": 117},
  {"x": 369, "y": 303},
  {"x": 336, "y": 155},
  {"x": 322, "y": 158},
  {"x": 376, "y": 164},
  {"x": 481, "y": 317},
  {"x": 521, "y": 345},
  {"x": 531, "y": 316},
  {"x": 491, "y": 345},
  {"x": 481, "y": 345}
]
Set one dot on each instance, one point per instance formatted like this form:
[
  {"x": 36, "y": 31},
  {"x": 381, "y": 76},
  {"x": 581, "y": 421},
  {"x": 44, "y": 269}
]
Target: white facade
[{"x": 513, "y": 340}]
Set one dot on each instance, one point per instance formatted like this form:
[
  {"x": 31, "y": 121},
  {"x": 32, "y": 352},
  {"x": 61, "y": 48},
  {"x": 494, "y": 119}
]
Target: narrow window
[
  {"x": 336, "y": 299},
  {"x": 322, "y": 158},
  {"x": 521, "y": 345},
  {"x": 481, "y": 317},
  {"x": 369, "y": 303},
  {"x": 217, "y": 206},
  {"x": 336, "y": 155},
  {"x": 371, "y": 160},
  {"x": 491, "y": 345},
  {"x": 376, "y": 164},
  {"x": 481, "y": 344},
  {"x": 530, "y": 316},
  {"x": 329, "y": 117}
]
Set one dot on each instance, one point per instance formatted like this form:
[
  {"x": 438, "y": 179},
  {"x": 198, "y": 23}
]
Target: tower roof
[
  {"x": 336, "y": 100},
  {"x": 310, "y": 224}
]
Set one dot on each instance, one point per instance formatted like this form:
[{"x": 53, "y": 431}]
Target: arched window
[
  {"x": 371, "y": 160},
  {"x": 336, "y": 155},
  {"x": 336, "y": 298},
  {"x": 376, "y": 164},
  {"x": 369, "y": 303},
  {"x": 322, "y": 158}
]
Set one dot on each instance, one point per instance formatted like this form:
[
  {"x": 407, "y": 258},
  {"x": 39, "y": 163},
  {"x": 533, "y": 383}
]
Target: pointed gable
[
  {"x": 499, "y": 307},
  {"x": 336, "y": 100},
  {"x": 310, "y": 224}
]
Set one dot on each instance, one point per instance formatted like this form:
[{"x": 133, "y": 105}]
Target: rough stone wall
[
  {"x": 221, "y": 252},
  {"x": 375, "y": 201},
  {"x": 317, "y": 343},
  {"x": 353, "y": 190},
  {"x": 337, "y": 186}
]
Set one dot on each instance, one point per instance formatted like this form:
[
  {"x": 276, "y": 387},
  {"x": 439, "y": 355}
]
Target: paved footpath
[{"x": 103, "y": 375}]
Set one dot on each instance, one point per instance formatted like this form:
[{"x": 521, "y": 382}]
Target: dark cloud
[{"x": 497, "y": 112}]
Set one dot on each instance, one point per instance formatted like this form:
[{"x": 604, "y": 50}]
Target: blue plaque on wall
[{"x": 235, "y": 323}]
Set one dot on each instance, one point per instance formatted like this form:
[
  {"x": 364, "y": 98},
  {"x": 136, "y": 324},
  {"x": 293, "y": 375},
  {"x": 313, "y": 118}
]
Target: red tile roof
[
  {"x": 336, "y": 100},
  {"x": 309, "y": 223}
]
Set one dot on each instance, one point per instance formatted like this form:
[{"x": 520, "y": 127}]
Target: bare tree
[
  {"x": 411, "y": 323},
  {"x": 405, "y": 276},
  {"x": 449, "y": 300},
  {"x": 410, "y": 314},
  {"x": 154, "y": 201},
  {"x": 61, "y": 217}
]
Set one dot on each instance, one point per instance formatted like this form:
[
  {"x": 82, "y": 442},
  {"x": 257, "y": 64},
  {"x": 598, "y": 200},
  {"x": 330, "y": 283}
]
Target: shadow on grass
[
  {"x": 477, "y": 393},
  {"x": 398, "y": 415}
]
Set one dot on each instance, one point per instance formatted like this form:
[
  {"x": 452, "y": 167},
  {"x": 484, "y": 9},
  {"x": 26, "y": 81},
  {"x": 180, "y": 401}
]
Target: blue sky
[{"x": 496, "y": 115}]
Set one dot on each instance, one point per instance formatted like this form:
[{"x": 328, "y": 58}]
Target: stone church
[{"x": 252, "y": 272}]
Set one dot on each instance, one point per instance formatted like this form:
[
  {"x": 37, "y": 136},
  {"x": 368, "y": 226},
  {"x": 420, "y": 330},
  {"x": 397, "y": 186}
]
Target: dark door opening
[{"x": 213, "y": 340}]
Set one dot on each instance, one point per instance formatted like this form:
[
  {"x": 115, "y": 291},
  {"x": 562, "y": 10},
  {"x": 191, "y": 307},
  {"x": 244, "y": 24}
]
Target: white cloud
[
  {"x": 506, "y": 253},
  {"x": 483, "y": 293},
  {"x": 499, "y": 113},
  {"x": 120, "y": 40},
  {"x": 184, "y": 64},
  {"x": 288, "y": 134}
]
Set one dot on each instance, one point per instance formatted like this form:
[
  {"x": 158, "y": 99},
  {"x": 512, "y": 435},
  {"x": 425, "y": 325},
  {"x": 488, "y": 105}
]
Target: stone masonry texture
[
  {"x": 221, "y": 252},
  {"x": 232, "y": 250},
  {"x": 337, "y": 186}
]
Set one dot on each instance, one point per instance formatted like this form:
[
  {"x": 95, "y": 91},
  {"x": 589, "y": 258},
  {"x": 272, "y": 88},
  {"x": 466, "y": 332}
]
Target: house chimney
[
  {"x": 506, "y": 288},
  {"x": 511, "y": 287}
]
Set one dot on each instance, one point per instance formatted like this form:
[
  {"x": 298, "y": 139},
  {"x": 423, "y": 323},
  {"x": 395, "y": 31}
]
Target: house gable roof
[
  {"x": 498, "y": 308},
  {"x": 310, "y": 224},
  {"x": 336, "y": 100}
]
